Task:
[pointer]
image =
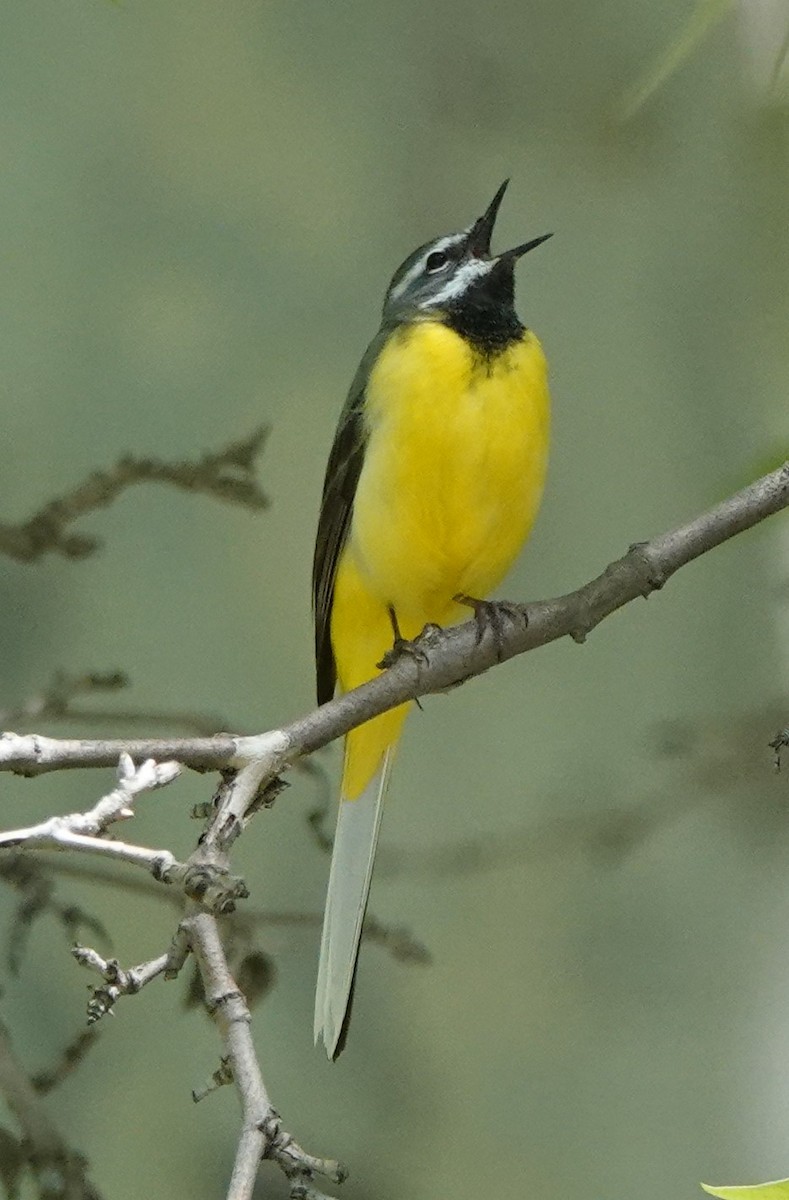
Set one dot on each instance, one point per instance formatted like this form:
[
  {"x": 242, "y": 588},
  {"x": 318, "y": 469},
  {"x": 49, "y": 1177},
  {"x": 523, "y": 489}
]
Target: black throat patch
[
  {"x": 489, "y": 329},
  {"x": 485, "y": 316}
]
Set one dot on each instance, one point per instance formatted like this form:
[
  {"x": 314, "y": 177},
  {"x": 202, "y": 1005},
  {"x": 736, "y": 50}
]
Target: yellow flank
[{"x": 451, "y": 484}]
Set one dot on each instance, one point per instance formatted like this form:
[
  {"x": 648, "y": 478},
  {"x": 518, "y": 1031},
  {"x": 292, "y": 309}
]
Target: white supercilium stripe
[{"x": 418, "y": 268}]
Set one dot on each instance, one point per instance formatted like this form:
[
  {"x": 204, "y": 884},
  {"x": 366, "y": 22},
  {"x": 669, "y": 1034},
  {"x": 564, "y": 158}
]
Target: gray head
[{"x": 457, "y": 270}]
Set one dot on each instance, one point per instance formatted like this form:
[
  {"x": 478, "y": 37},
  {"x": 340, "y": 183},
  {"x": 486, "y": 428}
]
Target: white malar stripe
[{"x": 452, "y": 239}]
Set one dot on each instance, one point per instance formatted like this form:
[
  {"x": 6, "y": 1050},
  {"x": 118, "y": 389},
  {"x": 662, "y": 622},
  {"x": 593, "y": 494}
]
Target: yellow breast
[{"x": 454, "y": 467}]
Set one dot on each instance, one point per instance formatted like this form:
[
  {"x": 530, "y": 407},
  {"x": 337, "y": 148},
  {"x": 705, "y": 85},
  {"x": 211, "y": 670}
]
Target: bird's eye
[{"x": 435, "y": 261}]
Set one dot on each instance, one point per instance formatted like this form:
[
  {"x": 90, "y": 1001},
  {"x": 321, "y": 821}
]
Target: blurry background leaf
[
  {"x": 703, "y": 18},
  {"x": 777, "y": 1190}
]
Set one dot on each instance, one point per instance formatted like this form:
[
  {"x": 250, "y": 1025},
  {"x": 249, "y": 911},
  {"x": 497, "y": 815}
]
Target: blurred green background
[{"x": 202, "y": 204}]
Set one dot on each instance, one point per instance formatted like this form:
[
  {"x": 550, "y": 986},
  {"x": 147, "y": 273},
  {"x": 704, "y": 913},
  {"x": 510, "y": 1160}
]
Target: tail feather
[{"x": 355, "y": 841}]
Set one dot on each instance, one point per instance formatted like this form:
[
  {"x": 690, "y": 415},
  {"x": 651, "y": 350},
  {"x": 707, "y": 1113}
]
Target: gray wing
[{"x": 339, "y": 489}]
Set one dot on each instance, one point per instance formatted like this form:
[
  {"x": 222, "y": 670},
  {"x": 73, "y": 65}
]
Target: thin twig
[
  {"x": 55, "y": 702},
  {"x": 82, "y": 830},
  {"x": 55, "y": 699},
  {"x": 117, "y": 982},
  {"x": 36, "y": 897},
  {"x": 71, "y": 1057},
  {"x": 115, "y": 806},
  {"x": 227, "y": 474}
]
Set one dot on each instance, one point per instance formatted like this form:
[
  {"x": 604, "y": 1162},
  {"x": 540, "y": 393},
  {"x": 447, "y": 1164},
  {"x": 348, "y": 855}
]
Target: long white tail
[{"x": 355, "y": 841}]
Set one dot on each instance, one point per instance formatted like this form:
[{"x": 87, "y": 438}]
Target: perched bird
[{"x": 433, "y": 483}]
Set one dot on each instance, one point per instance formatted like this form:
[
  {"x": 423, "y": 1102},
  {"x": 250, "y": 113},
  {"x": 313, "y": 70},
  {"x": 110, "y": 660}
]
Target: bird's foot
[
  {"x": 417, "y": 649},
  {"x": 491, "y": 616}
]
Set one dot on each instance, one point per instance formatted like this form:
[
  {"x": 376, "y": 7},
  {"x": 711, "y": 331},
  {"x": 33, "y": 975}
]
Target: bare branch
[
  {"x": 32, "y": 754},
  {"x": 214, "y": 887},
  {"x": 75, "y": 829},
  {"x": 255, "y": 784},
  {"x": 261, "y": 1133},
  {"x": 117, "y": 982},
  {"x": 227, "y": 474},
  {"x": 450, "y": 657},
  {"x": 36, "y": 897},
  {"x": 56, "y": 702},
  {"x": 71, "y": 1057}
]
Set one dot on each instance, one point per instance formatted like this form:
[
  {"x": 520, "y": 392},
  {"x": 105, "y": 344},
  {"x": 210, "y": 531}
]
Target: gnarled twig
[{"x": 227, "y": 474}]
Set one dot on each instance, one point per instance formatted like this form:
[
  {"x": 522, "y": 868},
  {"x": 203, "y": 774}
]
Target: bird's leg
[
  {"x": 396, "y": 634},
  {"x": 491, "y": 615},
  {"x": 415, "y": 649}
]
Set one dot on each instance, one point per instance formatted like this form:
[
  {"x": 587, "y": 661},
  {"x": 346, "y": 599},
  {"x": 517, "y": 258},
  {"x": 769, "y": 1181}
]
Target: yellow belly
[
  {"x": 451, "y": 484},
  {"x": 454, "y": 467}
]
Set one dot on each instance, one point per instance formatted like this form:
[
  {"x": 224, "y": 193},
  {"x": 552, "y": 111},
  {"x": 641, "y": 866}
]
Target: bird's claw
[
  {"x": 416, "y": 648},
  {"x": 490, "y": 615}
]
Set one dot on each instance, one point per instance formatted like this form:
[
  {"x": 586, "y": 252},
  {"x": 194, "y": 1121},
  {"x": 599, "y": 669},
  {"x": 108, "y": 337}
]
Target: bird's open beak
[
  {"x": 519, "y": 251},
  {"x": 481, "y": 231}
]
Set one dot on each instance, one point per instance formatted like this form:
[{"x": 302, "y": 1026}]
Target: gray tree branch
[
  {"x": 446, "y": 658},
  {"x": 206, "y": 886},
  {"x": 261, "y": 1134}
]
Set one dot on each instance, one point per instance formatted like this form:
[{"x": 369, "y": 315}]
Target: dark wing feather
[{"x": 339, "y": 490}]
